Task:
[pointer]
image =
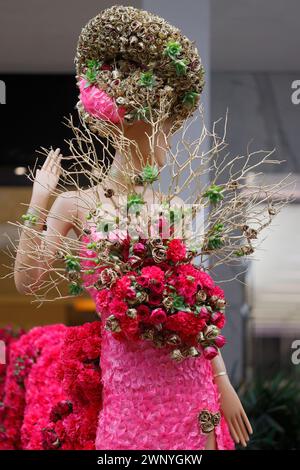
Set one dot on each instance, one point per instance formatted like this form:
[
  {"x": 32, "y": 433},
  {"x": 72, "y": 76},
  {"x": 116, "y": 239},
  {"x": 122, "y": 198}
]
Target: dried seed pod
[
  {"x": 109, "y": 193},
  {"x": 59, "y": 254}
]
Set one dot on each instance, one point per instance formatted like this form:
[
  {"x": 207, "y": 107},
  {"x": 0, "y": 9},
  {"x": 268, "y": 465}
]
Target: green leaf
[
  {"x": 150, "y": 173},
  {"x": 92, "y": 71},
  {"x": 142, "y": 113},
  {"x": 134, "y": 200},
  {"x": 216, "y": 240},
  {"x": 173, "y": 49},
  {"x": 179, "y": 304},
  {"x": 214, "y": 193},
  {"x": 147, "y": 79},
  {"x": 180, "y": 66},
  {"x": 75, "y": 289},
  {"x": 190, "y": 98},
  {"x": 72, "y": 263}
]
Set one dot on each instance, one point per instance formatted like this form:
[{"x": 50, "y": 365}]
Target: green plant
[{"x": 273, "y": 408}]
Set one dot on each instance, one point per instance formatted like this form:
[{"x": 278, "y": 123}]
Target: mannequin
[{"x": 65, "y": 209}]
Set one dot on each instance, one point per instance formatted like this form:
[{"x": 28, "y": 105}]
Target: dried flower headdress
[{"x": 128, "y": 61}]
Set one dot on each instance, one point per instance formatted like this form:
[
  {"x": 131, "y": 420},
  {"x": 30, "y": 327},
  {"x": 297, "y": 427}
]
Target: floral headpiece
[{"x": 128, "y": 61}]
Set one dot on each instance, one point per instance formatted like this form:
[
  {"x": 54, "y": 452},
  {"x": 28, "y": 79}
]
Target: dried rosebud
[
  {"x": 200, "y": 337},
  {"x": 112, "y": 324},
  {"x": 148, "y": 335},
  {"x": 211, "y": 332},
  {"x": 131, "y": 313},
  {"x": 168, "y": 302},
  {"x": 173, "y": 339},
  {"x": 108, "y": 276},
  {"x": 141, "y": 297},
  {"x": 191, "y": 352},
  {"x": 134, "y": 261},
  {"x": 158, "y": 341},
  {"x": 159, "y": 253},
  {"x": 201, "y": 296},
  {"x": 220, "y": 303},
  {"x": 176, "y": 355},
  {"x": 246, "y": 250},
  {"x": 213, "y": 301},
  {"x": 155, "y": 242}
]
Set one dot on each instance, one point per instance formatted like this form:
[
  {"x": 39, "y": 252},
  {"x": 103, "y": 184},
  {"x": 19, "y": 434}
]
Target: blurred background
[{"x": 250, "y": 50}]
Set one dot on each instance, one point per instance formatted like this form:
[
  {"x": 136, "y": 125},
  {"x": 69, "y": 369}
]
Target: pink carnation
[
  {"x": 185, "y": 323},
  {"x": 217, "y": 291},
  {"x": 129, "y": 329},
  {"x": 118, "y": 307},
  {"x": 176, "y": 250},
  {"x": 151, "y": 275},
  {"x": 122, "y": 288},
  {"x": 99, "y": 104},
  {"x": 205, "y": 280}
]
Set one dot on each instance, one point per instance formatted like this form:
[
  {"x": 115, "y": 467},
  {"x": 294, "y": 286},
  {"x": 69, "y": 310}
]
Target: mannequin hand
[
  {"x": 234, "y": 413},
  {"x": 47, "y": 177}
]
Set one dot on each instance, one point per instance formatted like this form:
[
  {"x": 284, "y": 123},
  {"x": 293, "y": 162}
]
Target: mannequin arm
[
  {"x": 231, "y": 407},
  {"x": 31, "y": 262}
]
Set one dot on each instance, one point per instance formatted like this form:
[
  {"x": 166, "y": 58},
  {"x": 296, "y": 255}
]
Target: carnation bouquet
[{"x": 159, "y": 296}]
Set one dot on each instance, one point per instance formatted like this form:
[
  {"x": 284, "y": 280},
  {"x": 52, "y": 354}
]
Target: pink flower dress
[{"x": 151, "y": 402}]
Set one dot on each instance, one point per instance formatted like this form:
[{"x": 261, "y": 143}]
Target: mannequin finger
[
  {"x": 56, "y": 168},
  {"x": 239, "y": 432},
  {"x": 53, "y": 161},
  {"x": 247, "y": 422},
  {"x": 48, "y": 160},
  {"x": 243, "y": 428},
  {"x": 233, "y": 433}
]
